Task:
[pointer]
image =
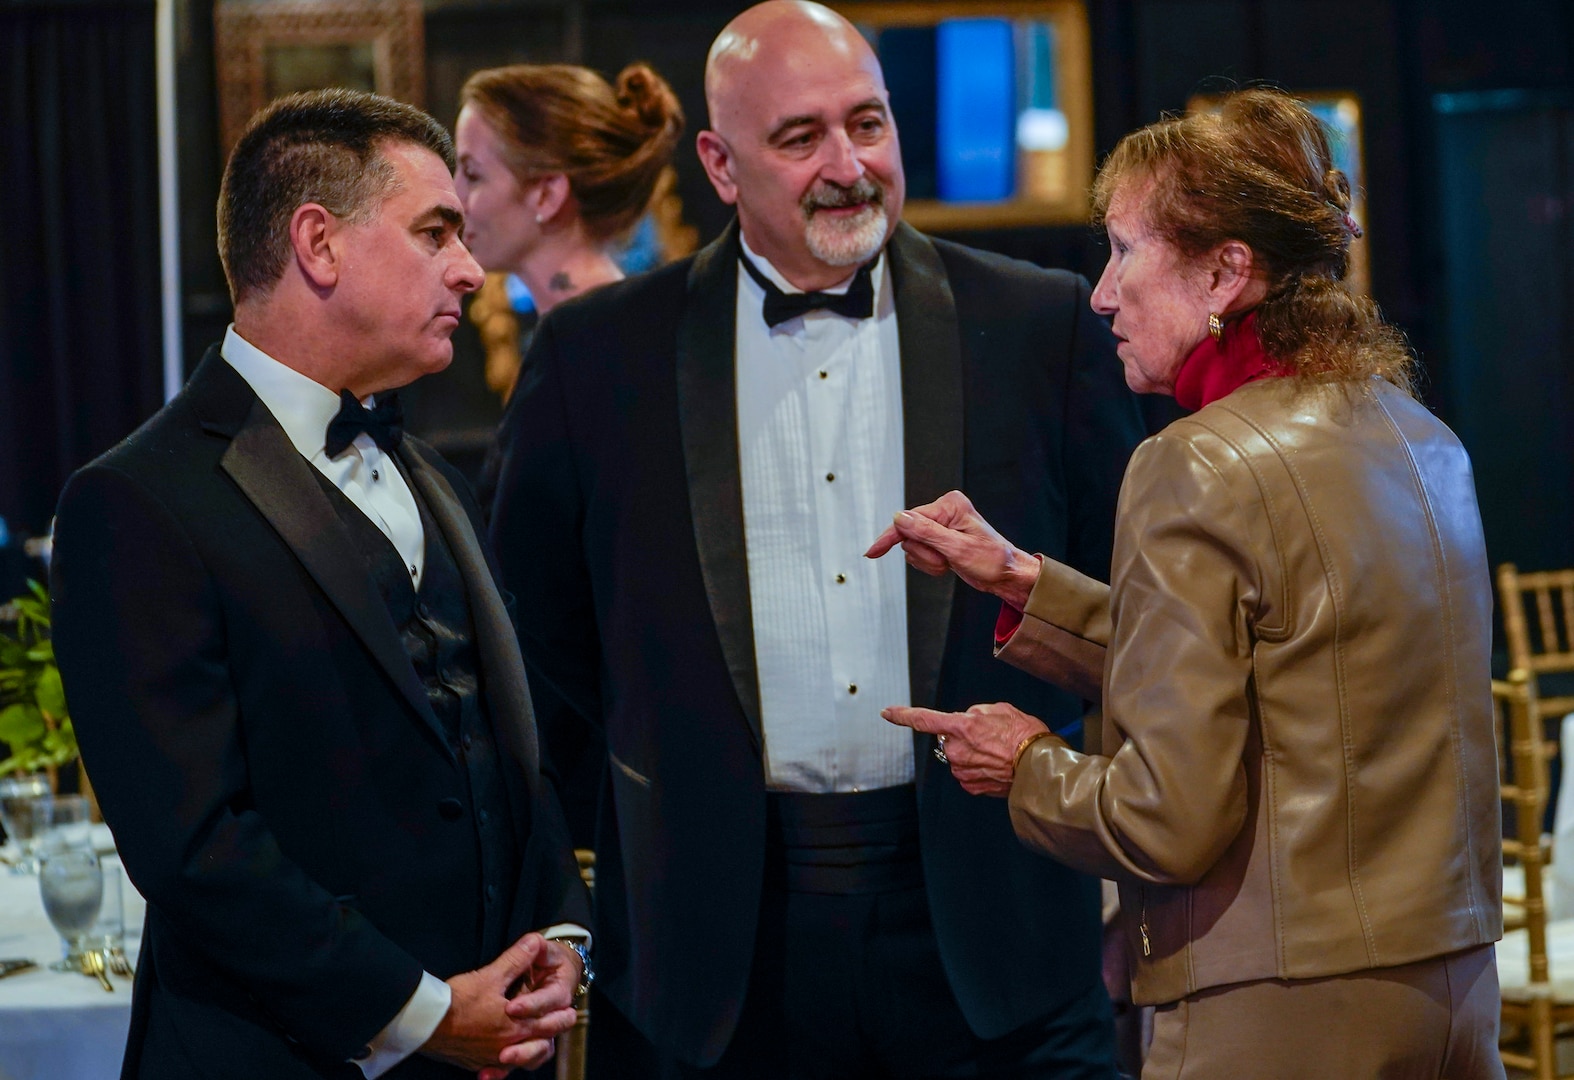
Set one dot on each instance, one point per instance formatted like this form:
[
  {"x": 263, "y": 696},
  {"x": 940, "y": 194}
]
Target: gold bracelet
[{"x": 1016, "y": 759}]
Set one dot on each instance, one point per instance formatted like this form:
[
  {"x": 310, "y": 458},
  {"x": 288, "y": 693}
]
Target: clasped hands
[
  {"x": 491, "y": 1033},
  {"x": 949, "y": 535}
]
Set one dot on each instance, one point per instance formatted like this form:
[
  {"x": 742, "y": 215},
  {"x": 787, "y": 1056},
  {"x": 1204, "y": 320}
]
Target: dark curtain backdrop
[{"x": 79, "y": 258}]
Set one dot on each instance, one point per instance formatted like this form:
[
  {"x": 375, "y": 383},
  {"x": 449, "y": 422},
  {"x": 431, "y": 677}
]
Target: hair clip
[{"x": 1352, "y": 228}]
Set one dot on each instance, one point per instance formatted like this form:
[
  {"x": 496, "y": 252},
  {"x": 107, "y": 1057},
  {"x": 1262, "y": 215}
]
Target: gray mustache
[{"x": 830, "y": 196}]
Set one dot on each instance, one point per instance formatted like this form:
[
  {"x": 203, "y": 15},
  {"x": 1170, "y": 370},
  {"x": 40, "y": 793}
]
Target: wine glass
[
  {"x": 71, "y": 882},
  {"x": 22, "y": 798}
]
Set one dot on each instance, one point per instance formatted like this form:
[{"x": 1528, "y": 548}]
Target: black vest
[{"x": 435, "y": 625}]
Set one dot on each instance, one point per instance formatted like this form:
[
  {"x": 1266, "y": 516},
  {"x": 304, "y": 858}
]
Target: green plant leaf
[
  {"x": 49, "y": 693},
  {"x": 30, "y": 689},
  {"x": 21, "y": 724},
  {"x": 59, "y": 745},
  {"x": 24, "y": 760}
]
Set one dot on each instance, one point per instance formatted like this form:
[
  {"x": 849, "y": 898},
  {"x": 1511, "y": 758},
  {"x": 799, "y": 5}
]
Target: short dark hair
[{"x": 324, "y": 146}]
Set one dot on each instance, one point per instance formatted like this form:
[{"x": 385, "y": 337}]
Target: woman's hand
[
  {"x": 980, "y": 745},
  {"x": 948, "y": 534}
]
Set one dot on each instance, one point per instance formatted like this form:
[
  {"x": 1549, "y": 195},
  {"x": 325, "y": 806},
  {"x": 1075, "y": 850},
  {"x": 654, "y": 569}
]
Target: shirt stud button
[
  {"x": 852, "y": 688},
  {"x": 825, "y": 375},
  {"x": 841, "y": 579},
  {"x": 375, "y": 476},
  {"x": 829, "y": 477}
]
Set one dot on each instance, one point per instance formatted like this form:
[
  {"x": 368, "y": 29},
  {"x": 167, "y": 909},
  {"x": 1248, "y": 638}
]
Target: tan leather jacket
[{"x": 1297, "y": 698}]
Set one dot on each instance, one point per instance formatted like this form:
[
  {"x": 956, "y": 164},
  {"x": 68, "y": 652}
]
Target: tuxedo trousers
[{"x": 847, "y": 981}]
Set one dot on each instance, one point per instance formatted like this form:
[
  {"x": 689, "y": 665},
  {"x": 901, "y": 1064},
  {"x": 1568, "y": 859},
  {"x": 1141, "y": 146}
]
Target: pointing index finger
[
  {"x": 883, "y": 543},
  {"x": 929, "y": 720}
]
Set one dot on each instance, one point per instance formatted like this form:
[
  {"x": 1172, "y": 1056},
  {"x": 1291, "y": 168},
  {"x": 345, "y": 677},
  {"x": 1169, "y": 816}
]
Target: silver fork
[{"x": 118, "y": 964}]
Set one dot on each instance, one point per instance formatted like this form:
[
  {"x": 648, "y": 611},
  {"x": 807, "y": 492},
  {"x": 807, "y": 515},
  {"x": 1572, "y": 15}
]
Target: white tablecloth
[{"x": 58, "y": 1026}]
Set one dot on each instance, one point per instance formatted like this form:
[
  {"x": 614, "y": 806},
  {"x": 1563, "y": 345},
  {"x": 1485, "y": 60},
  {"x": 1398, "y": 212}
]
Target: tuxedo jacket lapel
[
  {"x": 508, "y": 696},
  {"x": 708, "y": 417},
  {"x": 931, "y": 346},
  {"x": 280, "y": 483}
]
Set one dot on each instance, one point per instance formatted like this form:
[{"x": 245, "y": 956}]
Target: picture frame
[
  {"x": 1045, "y": 183},
  {"x": 267, "y": 48}
]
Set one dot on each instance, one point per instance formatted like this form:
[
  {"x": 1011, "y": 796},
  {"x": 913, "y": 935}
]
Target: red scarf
[{"x": 1216, "y": 369}]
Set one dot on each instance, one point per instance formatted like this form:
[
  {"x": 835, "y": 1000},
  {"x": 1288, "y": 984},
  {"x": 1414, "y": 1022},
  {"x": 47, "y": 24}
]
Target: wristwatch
[{"x": 587, "y": 974}]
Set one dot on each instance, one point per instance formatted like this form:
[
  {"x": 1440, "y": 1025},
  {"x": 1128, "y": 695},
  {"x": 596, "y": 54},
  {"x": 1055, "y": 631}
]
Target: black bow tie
[
  {"x": 384, "y": 422},
  {"x": 856, "y": 303}
]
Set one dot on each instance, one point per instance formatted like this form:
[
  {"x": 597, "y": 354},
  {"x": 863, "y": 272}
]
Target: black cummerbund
[{"x": 844, "y": 844}]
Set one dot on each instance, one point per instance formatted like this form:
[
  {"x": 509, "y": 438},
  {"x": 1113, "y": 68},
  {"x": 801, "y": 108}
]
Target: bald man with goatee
[{"x": 788, "y": 886}]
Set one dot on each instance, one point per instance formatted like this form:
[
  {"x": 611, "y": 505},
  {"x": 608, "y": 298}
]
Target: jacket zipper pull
[{"x": 1142, "y": 928}]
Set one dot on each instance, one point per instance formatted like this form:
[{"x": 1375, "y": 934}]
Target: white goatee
[{"x": 845, "y": 241}]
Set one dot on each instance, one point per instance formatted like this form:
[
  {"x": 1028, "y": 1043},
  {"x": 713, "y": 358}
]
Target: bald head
[
  {"x": 773, "y": 39},
  {"x": 802, "y": 141}
]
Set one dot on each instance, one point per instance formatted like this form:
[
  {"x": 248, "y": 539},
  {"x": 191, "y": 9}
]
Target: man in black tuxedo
[
  {"x": 294, "y": 679},
  {"x": 787, "y": 886}
]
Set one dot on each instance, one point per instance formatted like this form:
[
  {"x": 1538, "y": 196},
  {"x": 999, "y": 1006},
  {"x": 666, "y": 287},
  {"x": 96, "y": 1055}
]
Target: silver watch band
[{"x": 587, "y": 974}]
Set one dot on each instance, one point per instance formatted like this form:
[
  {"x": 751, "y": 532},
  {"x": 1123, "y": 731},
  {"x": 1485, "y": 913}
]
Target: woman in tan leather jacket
[{"x": 1298, "y": 790}]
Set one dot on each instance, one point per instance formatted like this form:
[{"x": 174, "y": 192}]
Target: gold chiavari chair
[
  {"x": 1536, "y": 611},
  {"x": 571, "y": 1045},
  {"x": 1542, "y": 644},
  {"x": 1535, "y": 1005}
]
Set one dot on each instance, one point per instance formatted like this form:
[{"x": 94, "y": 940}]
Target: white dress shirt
[
  {"x": 365, "y": 474},
  {"x": 820, "y": 449},
  {"x": 368, "y": 477}
]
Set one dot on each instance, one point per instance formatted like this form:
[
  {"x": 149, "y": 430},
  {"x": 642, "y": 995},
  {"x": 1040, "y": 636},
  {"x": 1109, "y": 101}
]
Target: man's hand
[
  {"x": 980, "y": 744},
  {"x": 553, "y": 978},
  {"x": 486, "y": 1032},
  {"x": 948, "y": 534}
]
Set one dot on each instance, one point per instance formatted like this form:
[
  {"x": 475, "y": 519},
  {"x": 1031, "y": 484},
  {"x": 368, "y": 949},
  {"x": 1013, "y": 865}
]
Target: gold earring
[{"x": 1215, "y": 326}]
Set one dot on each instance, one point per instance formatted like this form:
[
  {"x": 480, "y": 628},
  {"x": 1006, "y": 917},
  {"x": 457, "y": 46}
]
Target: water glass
[
  {"x": 71, "y": 882},
  {"x": 109, "y": 931},
  {"x": 70, "y": 823},
  {"x": 22, "y": 812}
]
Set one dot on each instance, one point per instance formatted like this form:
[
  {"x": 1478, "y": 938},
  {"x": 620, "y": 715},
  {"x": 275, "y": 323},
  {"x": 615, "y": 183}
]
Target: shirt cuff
[
  {"x": 567, "y": 930},
  {"x": 408, "y": 1031},
  {"x": 1006, "y": 625}
]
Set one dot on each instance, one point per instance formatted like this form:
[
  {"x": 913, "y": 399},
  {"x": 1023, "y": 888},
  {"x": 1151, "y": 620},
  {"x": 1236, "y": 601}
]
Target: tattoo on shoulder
[{"x": 561, "y": 281}]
